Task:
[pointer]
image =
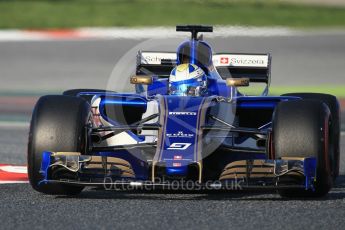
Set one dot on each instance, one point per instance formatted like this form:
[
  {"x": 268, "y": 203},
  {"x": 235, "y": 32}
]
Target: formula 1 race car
[{"x": 187, "y": 126}]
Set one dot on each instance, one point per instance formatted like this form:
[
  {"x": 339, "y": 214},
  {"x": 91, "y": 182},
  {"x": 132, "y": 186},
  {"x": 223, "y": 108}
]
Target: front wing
[{"x": 113, "y": 173}]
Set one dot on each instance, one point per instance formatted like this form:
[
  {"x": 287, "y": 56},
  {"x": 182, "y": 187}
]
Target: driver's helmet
[{"x": 187, "y": 80}]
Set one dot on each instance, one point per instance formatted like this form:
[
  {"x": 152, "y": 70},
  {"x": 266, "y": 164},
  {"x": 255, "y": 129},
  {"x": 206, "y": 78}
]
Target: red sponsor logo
[
  {"x": 177, "y": 157},
  {"x": 176, "y": 164},
  {"x": 224, "y": 60}
]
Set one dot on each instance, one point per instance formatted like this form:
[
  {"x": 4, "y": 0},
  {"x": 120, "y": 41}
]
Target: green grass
[
  {"x": 84, "y": 13},
  {"x": 336, "y": 90}
]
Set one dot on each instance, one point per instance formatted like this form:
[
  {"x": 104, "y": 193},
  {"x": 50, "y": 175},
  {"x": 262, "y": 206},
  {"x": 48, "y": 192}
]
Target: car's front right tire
[{"x": 58, "y": 124}]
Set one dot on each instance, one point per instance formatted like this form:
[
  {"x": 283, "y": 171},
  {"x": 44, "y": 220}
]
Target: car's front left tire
[
  {"x": 333, "y": 105},
  {"x": 301, "y": 129}
]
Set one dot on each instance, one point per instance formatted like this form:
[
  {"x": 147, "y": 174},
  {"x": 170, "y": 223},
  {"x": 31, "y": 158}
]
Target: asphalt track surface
[{"x": 52, "y": 66}]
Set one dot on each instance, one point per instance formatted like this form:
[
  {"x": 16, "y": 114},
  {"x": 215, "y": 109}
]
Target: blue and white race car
[{"x": 187, "y": 126}]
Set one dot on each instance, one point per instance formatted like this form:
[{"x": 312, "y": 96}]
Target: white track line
[
  {"x": 14, "y": 169},
  {"x": 14, "y": 124},
  {"x": 154, "y": 33},
  {"x": 14, "y": 182}
]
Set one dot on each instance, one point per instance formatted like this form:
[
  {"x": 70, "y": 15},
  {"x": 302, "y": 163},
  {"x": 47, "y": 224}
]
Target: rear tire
[
  {"x": 333, "y": 105},
  {"x": 301, "y": 129},
  {"x": 57, "y": 125}
]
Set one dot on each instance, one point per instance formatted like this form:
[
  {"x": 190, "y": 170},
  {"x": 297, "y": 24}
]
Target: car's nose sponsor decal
[{"x": 179, "y": 146}]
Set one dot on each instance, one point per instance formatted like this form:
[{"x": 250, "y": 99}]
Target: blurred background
[
  {"x": 48, "y": 46},
  {"x": 104, "y": 13}
]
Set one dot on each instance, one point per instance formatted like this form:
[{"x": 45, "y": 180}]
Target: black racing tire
[
  {"x": 301, "y": 129},
  {"x": 333, "y": 105},
  {"x": 75, "y": 92},
  {"x": 57, "y": 125}
]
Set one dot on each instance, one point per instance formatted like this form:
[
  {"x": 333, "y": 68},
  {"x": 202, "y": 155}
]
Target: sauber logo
[
  {"x": 179, "y": 146},
  {"x": 224, "y": 60}
]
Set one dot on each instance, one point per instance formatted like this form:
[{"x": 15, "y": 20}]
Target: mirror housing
[
  {"x": 237, "y": 82},
  {"x": 141, "y": 79}
]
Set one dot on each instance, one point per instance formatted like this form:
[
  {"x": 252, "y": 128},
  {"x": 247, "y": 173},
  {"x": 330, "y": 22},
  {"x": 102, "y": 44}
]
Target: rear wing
[
  {"x": 155, "y": 63},
  {"x": 256, "y": 67}
]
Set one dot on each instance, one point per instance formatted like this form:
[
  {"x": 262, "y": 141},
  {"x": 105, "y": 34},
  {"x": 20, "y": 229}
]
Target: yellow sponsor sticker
[{"x": 182, "y": 67}]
